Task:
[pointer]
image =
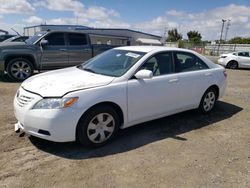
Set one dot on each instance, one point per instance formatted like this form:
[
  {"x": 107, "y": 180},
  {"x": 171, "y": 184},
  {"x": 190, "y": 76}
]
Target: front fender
[
  {"x": 114, "y": 93},
  {"x": 8, "y": 54}
]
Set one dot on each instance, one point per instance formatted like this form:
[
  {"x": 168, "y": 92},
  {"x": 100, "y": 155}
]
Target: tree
[
  {"x": 194, "y": 36},
  {"x": 239, "y": 40},
  {"x": 220, "y": 41},
  {"x": 173, "y": 35}
]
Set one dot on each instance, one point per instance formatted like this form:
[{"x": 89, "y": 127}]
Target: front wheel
[
  {"x": 208, "y": 101},
  {"x": 98, "y": 126},
  {"x": 19, "y": 69}
]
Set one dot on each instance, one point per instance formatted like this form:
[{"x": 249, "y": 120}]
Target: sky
[{"x": 152, "y": 16}]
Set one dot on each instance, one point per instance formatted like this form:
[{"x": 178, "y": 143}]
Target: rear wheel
[
  {"x": 19, "y": 69},
  {"x": 208, "y": 101},
  {"x": 232, "y": 65},
  {"x": 98, "y": 126}
]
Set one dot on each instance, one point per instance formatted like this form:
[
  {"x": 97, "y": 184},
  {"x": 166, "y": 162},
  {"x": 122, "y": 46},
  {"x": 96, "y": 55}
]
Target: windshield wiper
[{"x": 89, "y": 70}]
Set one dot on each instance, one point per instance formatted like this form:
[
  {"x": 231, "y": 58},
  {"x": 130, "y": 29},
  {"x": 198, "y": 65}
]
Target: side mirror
[
  {"x": 144, "y": 74},
  {"x": 44, "y": 42}
]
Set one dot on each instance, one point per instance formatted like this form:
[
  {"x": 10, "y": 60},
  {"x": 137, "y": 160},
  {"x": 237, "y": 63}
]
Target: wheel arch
[
  {"x": 232, "y": 60},
  {"x": 216, "y": 88},
  {"x": 201, "y": 107},
  {"x": 28, "y": 57},
  {"x": 117, "y": 108}
]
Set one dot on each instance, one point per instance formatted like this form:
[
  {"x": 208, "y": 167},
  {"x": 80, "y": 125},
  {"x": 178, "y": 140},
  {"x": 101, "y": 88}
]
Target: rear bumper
[{"x": 223, "y": 89}]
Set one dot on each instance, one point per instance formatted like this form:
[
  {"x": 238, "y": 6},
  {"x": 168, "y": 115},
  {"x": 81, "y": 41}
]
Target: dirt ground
[{"x": 184, "y": 150}]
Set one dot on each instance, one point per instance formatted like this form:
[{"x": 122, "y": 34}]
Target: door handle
[
  {"x": 63, "y": 49},
  {"x": 173, "y": 80},
  {"x": 208, "y": 74}
]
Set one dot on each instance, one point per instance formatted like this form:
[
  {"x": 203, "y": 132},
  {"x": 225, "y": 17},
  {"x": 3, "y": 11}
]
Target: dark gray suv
[{"x": 46, "y": 51}]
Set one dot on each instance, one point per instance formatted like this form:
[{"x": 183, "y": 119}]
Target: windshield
[
  {"x": 112, "y": 63},
  {"x": 34, "y": 38}
]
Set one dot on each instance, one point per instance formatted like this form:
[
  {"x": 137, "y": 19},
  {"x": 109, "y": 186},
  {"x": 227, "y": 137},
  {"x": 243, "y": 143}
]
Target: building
[
  {"x": 31, "y": 30},
  {"x": 102, "y": 35}
]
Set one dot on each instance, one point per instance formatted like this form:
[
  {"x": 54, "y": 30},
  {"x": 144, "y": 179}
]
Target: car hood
[
  {"x": 58, "y": 83},
  {"x": 6, "y": 45}
]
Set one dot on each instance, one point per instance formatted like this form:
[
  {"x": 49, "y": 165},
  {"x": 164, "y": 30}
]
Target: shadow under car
[{"x": 142, "y": 134}]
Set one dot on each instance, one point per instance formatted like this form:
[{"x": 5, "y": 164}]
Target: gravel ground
[{"x": 184, "y": 150}]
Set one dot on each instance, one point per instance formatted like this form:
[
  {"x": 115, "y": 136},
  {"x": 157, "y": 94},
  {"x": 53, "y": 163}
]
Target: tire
[
  {"x": 208, "y": 100},
  {"x": 19, "y": 69},
  {"x": 98, "y": 126},
  {"x": 232, "y": 65}
]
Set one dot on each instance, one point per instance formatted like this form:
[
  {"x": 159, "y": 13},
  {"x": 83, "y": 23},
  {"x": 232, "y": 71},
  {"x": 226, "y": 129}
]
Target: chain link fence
[{"x": 209, "y": 49}]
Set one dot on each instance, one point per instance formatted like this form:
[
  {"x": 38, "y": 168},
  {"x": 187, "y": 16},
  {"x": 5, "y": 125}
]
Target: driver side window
[
  {"x": 55, "y": 39},
  {"x": 243, "y": 54},
  {"x": 159, "y": 64}
]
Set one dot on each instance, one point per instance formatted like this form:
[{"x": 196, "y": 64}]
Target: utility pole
[
  {"x": 227, "y": 28},
  {"x": 164, "y": 37},
  {"x": 223, "y": 22}
]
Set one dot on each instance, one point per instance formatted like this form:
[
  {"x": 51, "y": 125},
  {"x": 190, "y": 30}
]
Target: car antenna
[{"x": 15, "y": 31}]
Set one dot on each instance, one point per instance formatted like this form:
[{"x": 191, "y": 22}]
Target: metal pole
[
  {"x": 227, "y": 28},
  {"x": 223, "y": 22}
]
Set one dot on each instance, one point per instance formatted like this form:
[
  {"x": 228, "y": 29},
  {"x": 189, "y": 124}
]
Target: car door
[
  {"x": 54, "y": 53},
  {"x": 151, "y": 98},
  {"x": 244, "y": 59},
  {"x": 194, "y": 77},
  {"x": 79, "y": 49}
]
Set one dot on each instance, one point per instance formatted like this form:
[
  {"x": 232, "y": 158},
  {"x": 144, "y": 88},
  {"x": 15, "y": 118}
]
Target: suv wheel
[
  {"x": 19, "y": 69},
  {"x": 98, "y": 126}
]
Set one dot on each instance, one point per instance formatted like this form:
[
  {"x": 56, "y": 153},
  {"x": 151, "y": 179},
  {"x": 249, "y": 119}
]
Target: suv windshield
[
  {"x": 34, "y": 38},
  {"x": 112, "y": 63}
]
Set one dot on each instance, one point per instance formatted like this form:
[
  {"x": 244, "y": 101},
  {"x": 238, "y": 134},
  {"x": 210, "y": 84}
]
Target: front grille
[{"x": 24, "y": 100}]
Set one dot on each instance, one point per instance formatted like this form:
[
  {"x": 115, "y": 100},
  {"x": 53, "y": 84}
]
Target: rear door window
[
  {"x": 185, "y": 62},
  {"x": 76, "y": 39}
]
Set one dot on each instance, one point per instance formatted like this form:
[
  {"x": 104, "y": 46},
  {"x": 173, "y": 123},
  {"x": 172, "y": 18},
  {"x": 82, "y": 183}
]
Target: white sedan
[
  {"x": 117, "y": 89},
  {"x": 235, "y": 60}
]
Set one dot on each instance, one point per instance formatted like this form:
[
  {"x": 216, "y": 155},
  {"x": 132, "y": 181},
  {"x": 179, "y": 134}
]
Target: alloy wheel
[
  {"x": 209, "y": 101},
  {"x": 20, "y": 70},
  {"x": 233, "y": 65},
  {"x": 100, "y": 128}
]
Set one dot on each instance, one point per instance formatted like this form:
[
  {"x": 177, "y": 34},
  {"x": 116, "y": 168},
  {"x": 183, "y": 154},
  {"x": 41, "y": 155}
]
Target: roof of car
[{"x": 147, "y": 48}]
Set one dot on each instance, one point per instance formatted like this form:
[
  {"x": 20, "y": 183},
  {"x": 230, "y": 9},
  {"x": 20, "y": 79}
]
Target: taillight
[{"x": 225, "y": 73}]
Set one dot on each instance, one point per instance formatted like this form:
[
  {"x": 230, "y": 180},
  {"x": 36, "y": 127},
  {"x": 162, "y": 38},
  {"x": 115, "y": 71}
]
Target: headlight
[{"x": 55, "y": 103}]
